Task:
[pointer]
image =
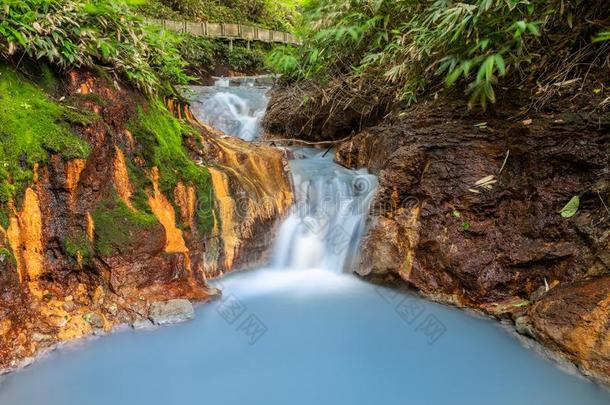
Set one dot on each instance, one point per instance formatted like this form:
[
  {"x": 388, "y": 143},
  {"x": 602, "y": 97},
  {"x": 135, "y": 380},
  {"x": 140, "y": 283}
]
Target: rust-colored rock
[
  {"x": 61, "y": 285},
  {"x": 575, "y": 320},
  {"x": 468, "y": 212}
]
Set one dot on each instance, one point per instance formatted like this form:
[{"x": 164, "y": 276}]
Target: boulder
[{"x": 172, "y": 311}]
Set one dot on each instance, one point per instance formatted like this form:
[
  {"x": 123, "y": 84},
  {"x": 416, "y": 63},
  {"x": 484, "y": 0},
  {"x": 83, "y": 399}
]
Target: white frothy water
[
  {"x": 325, "y": 226},
  {"x": 235, "y": 110},
  {"x": 222, "y": 82}
]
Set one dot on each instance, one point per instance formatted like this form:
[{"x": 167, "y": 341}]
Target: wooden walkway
[{"x": 229, "y": 31}]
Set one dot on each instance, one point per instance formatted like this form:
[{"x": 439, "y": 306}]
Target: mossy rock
[
  {"x": 78, "y": 247},
  {"x": 33, "y": 127},
  {"x": 161, "y": 136},
  {"x": 119, "y": 228},
  {"x": 7, "y": 255}
]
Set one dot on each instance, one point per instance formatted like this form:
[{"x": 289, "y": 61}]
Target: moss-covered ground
[{"x": 33, "y": 127}]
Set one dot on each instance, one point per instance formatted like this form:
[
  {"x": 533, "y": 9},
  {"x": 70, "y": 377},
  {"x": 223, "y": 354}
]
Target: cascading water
[
  {"x": 325, "y": 225},
  {"x": 236, "y": 110},
  {"x": 303, "y": 332}
]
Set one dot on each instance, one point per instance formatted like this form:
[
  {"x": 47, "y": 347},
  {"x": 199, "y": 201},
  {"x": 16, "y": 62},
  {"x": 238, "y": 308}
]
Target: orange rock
[
  {"x": 25, "y": 238},
  {"x": 121, "y": 177},
  {"x": 164, "y": 211}
]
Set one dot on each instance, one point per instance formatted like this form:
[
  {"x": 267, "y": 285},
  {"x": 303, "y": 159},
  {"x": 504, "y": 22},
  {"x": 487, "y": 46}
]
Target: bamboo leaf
[{"x": 571, "y": 208}]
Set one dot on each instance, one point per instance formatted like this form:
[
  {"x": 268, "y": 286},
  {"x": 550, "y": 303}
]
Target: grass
[
  {"x": 161, "y": 136},
  {"x": 33, "y": 127}
]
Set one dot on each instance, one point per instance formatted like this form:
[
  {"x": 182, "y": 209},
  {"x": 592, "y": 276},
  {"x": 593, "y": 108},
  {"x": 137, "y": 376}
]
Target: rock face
[
  {"x": 575, "y": 320},
  {"x": 158, "y": 208},
  {"x": 172, "y": 311},
  {"x": 468, "y": 208},
  {"x": 468, "y": 213}
]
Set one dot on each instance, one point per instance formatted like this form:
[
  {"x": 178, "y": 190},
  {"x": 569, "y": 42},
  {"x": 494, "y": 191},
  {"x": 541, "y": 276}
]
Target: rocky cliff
[
  {"x": 152, "y": 206},
  {"x": 468, "y": 211}
]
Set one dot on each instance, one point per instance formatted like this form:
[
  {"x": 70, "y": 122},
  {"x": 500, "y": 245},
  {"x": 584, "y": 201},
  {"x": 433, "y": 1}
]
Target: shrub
[
  {"x": 409, "y": 47},
  {"x": 274, "y": 14},
  {"x": 76, "y": 33}
]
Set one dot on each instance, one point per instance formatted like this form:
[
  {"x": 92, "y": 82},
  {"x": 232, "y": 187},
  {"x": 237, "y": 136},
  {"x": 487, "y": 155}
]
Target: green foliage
[
  {"x": 414, "y": 45},
  {"x": 118, "y": 228},
  {"x": 202, "y": 54},
  {"x": 571, "y": 208},
  {"x": 161, "y": 136},
  {"x": 33, "y": 126},
  {"x": 602, "y": 36},
  {"x": 246, "y": 60},
  {"x": 274, "y": 14},
  {"x": 75, "y": 33},
  {"x": 4, "y": 218}
]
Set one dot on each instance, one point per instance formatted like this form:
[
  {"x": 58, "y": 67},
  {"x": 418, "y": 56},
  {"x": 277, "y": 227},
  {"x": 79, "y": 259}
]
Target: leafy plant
[
  {"x": 571, "y": 208},
  {"x": 108, "y": 33},
  {"x": 273, "y": 14},
  {"x": 406, "y": 48},
  {"x": 602, "y": 36}
]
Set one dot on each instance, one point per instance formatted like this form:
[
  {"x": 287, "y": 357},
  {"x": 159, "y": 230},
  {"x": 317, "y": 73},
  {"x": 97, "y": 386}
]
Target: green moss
[
  {"x": 76, "y": 245},
  {"x": 76, "y": 117},
  {"x": 119, "y": 228},
  {"x": 32, "y": 127},
  {"x": 4, "y": 219},
  {"x": 161, "y": 136},
  {"x": 48, "y": 80},
  {"x": 6, "y": 254}
]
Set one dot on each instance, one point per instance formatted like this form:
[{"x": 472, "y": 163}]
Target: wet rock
[
  {"x": 172, "y": 311},
  {"x": 524, "y": 327},
  {"x": 142, "y": 324},
  {"x": 69, "y": 306},
  {"x": 536, "y": 295},
  {"x": 94, "y": 319},
  {"x": 40, "y": 337},
  {"x": 574, "y": 319}
]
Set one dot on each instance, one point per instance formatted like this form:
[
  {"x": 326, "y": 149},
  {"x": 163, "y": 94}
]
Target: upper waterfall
[{"x": 234, "y": 106}]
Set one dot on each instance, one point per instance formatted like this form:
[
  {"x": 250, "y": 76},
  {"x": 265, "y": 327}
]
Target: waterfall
[
  {"x": 326, "y": 224},
  {"x": 234, "y": 109}
]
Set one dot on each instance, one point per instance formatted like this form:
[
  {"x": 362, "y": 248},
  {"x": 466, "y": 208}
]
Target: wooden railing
[{"x": 229, "y": 31}]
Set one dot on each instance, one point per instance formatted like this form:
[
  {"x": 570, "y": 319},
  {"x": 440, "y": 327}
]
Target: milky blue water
[
  {"x": 303, "y": 331},
  {"x": 323, "y": 338}
]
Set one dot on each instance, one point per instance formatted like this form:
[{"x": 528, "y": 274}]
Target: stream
[{"x": 303, "y": 330}]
